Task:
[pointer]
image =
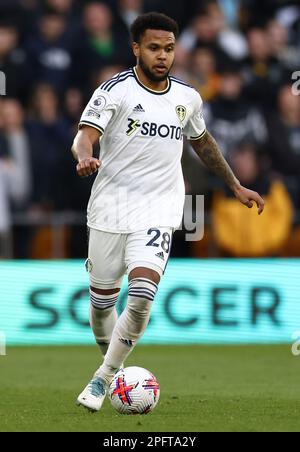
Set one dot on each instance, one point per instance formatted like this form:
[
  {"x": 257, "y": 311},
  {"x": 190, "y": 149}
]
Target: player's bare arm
[
  {"x": 209, "y": 152},
  {"x": 83, "y": 151}
]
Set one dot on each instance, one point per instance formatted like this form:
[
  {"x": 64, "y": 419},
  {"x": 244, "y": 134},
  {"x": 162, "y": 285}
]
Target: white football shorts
[{"x": 112, "y": 255}]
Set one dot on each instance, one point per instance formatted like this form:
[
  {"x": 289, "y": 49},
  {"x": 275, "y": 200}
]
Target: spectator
[
  {"x": 230, "y": 117},
  {"x": 101, "y": 44},
  {"x": 242, "y": 233},
  {"x": 209, "y": 28},
  {"x": 13, "y": 62},
  {"x": 19, "y": 151},
  {"x": 15, "y": 175},
  {"x": 287, "y": 55},
  {"x": 67, "y": 9},
  {"x": 284, "y": 140},
  {"x": 205, "y": 77},
  {"x": 200, "y": 32},
  {"x": 230, "y": 40},
  {"x": 262, "y": 71},
  {"x": 51, "y": 138},
  {"x": 50, "y": 52},
  {"x": 18, "y": 146}
]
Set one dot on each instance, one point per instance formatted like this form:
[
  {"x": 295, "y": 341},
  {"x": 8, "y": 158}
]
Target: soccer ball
[{"x": 134, "y": 390}]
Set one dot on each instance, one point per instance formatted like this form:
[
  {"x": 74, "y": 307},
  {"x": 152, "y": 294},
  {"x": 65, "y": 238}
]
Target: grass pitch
[{"x": 203, "y": 388}]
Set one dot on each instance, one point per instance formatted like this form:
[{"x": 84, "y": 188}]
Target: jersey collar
[{"x": 152, "y": 91}]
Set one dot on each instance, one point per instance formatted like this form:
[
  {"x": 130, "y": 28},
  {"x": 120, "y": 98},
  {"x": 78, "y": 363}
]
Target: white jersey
[{"x": 140, "y": 183}]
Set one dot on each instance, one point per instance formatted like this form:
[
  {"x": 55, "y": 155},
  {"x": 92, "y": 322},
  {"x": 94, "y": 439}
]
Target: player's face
[{"x": 155, "y": 54}]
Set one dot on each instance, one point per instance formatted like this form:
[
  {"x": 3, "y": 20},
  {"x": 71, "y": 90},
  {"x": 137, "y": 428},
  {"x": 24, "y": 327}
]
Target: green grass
[{"x": 203, "y": 388}]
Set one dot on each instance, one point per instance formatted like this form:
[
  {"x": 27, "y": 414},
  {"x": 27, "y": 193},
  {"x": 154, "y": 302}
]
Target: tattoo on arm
[{"x": 209, "y": 152}]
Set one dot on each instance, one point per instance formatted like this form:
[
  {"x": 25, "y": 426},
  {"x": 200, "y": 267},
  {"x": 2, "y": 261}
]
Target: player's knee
[
  {"x": 103, "y": 298},
  {"x": 144, "y": 273},
  {"x": 104, "y": 291},
  {"x": 141, "y": 294}
]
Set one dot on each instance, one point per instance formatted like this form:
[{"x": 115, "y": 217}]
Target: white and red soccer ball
[{"x": 134, "y": 390}]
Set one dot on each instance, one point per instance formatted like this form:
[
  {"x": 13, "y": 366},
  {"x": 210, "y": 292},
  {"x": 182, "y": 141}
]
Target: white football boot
[{"x": 93, "y": 395}]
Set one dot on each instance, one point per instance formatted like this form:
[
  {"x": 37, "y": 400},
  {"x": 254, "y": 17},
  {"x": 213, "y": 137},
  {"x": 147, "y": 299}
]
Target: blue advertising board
[{"x": 225, "y": 301}]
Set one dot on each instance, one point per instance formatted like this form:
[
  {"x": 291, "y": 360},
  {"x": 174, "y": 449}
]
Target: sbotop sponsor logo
[
  {"x": 2, "y": 344},
  {"x": 296, "y": 344},
  {"x": 296, "y": 84},
  {"x": 2, "y": 84}
]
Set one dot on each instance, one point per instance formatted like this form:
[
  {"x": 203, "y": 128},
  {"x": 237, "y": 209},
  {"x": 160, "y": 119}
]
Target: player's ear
[{"x": 136, "y": 49}]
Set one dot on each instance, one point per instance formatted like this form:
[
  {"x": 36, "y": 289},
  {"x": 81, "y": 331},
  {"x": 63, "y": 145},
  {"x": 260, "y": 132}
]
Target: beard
[{"x": 150, "y": 75}]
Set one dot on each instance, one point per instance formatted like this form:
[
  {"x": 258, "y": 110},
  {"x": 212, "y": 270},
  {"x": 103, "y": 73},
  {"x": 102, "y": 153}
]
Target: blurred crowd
[{"x": 243, "y": 56}]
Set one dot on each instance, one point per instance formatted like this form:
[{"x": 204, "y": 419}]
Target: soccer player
[{"x": 140, "y": 117}]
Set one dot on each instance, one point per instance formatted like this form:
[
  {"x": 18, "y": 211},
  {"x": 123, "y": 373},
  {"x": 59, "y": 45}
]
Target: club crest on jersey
[
  {"x": 181, "y": 112},
  {"x": 99, "y": 103}
]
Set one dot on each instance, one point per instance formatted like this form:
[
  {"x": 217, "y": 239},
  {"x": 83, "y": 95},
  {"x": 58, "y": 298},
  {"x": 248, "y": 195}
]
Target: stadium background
[{"x": 239, "y": 285}]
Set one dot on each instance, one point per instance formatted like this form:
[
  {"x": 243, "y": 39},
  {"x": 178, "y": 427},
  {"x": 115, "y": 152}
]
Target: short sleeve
[
  {"x": 195, "y": 127},
  {"x": 98, "y": 111}
]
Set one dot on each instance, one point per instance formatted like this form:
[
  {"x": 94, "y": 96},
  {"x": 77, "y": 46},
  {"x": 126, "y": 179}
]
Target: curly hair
[{"x": 152, "y": 21}]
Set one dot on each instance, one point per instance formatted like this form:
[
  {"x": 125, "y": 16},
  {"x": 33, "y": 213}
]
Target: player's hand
[
  {"x": 247, "y": 197},
  {"x": 87, "y": 166}
]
